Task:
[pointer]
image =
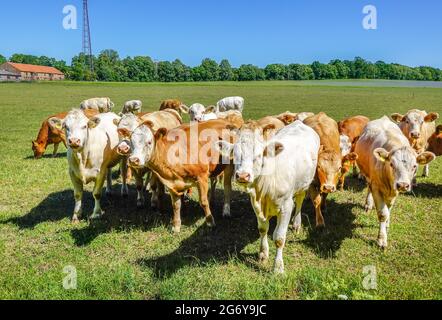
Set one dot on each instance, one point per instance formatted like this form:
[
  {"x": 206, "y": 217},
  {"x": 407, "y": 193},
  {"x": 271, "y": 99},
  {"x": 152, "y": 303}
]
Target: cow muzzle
[
  {"x": 134, "y": 162},
  {"x": 243, "y": 177},
  {"x": 74, "y": 143},
  {"x": 328, "y": 188},
  {"x": 415, "y": 135},
  {"x": 123, "y": 149},
  {"x": 403, "y": 187}
]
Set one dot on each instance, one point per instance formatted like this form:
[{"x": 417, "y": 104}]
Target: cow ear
[
  {"x": 161, "y": 132},
  {"x": 148, "y": 123},
  {"x": 381, "y": 154},
  {"x": 425, "y": 157},
  {"x": 439, "y": 129},
  {"x": 287, "y": 119},
  {"x": 93, "y": 122},
  {"x": 116, "y": 121},
  {"x": 352, "y": 156},
  {"x": 397, "y": 117},
  {"x": 184, "y": 108},
  {"x": 273, "y": 149},
  {"x": 210, "y": 109},
  {"x": 224, "y": 147},
  {"x": 55, "y": 123},
  {"x": 432, "y": 116},
  {"x": 123, "y": 132},
  {"x": 233, "y": 129}
]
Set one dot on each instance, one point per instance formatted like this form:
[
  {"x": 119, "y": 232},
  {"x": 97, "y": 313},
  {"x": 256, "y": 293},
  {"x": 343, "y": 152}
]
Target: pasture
[{"x": 131, "y": 254}]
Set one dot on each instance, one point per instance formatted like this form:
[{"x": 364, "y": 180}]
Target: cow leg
[
  {"x": 154, "y": 187},
  {"x": 369, "y": 202},
  {"x": 54, "y": 154},
  {"x": 426, "y": 171},
  {"x": 324, "y": 202},
  {"x": 98, "y": 212},
  {"x": 176, "y": 205},
  {"x": 227, "y": 190},
  {"x": 383, "y": 217},
  {"x": 78, "y": 195},
  {"x": 108, "y": 182},
  {"x": 342, "y": 179},
  {"x": 203, "y": 186},
  {"x": 315, "y": 195},
  {"x": 280, "y": 233},
  {"x": 263, "y": 227},
  {"x": 213, "y": 183},
  {"x": 124, "y": 169},
  {"x": 140, "y": 189},
  {"x": 299, "y": 199}
]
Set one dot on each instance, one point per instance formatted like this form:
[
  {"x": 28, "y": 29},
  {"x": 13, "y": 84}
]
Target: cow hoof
[
  {"x": 75, "y": 220},
  {"x": 263, "y": 258},
  {"x": 320, "y": 225},
  {"x": 368, "y": 208},
  {"x": 96, "y": 216},
  {"x": 176, "y": 229},
  {"x": 140, "y": 205},
  {"x": 279, "y": 267},
  {"x": 109, "y": 194},
  {"x": 226, "y": 213},
  {"x": 210, "y": 221},
  {"x": 382, "y": 244},
  {"x": 297, "y": 228}
]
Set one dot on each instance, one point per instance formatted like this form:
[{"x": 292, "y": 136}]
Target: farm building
[
  {"x": 9, "y": 76},
  {"x": 29, "y": 72}
]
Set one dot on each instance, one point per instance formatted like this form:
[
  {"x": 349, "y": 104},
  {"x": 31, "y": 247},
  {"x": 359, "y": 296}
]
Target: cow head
[
  {"x": 411, "y": 124},
  {"x": 76, "y": 126},
  {"x": 287, "y": 117},
  {"x": 125, "y": 126},
  {"x": 402, "y": 165},
  {"x": 249, "y": 152},
  {"x": 38, "y": 148},
  {"x": 196, "y": 112},
  {"x": 328, "y": 170},
  {"x": 142, "y": 143},
  {"x": 435, "y": 141},
  {"x": 345, "y": 144}
]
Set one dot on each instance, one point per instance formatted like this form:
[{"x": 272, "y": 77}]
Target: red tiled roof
[{"x": 33, "y": 68}]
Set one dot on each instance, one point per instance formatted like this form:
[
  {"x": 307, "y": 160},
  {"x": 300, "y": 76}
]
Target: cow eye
[{"x": 84, "y": 127}]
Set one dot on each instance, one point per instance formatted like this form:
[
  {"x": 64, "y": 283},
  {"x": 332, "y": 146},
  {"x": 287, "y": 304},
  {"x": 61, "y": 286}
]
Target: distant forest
[{"x": 108, "y": 66}]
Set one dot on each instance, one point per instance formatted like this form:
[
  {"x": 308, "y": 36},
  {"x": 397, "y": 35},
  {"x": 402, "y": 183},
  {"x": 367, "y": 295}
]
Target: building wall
[{"x": 30, "y": 76}]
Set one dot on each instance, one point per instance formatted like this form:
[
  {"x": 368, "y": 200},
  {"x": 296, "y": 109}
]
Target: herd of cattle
[{"x": 277, "y": 159}]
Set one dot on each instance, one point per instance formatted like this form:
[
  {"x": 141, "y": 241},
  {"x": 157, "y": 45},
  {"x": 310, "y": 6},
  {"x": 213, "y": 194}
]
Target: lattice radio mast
[{"x": 87, "y": 48}]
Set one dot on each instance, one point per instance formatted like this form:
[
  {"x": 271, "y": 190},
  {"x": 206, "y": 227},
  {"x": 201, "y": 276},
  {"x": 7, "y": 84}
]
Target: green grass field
[{"x": 131, "y": 254}]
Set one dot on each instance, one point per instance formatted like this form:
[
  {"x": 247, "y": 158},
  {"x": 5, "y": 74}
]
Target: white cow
[
  {"x": 132, "y": 106},
  {"x": 91, "y": 155},
  {"x": 103, "y": 105},
  {"x": 231, "y": 103},
  {"x": 344, "y": 144},
  {"x": 389, "y": 164},
  {"x": 199, "y": 113},
  {"x": 274, "y": 172}
]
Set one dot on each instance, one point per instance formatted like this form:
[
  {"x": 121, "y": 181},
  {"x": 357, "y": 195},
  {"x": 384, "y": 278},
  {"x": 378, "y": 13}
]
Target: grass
[{"x": 131, "y": 254}]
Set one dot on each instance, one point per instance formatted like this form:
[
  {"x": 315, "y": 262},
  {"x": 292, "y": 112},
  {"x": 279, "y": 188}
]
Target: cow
[
  {"x": 274, "y": 172},
  {"x": 435, "y": 142},
  {"x": 329, "y": 162},
  {"x": 168, "y": 119},
  {"x": 230, "y": 103},
  {"x": 174, "y": 104},
  {"x": 290, "y": 117},
  {"x": 48, "y": 135},
  {"x": 102, "y": 105},
  {"x": 91, "y": 155},
  {"x": 417, "y": 126},
  {"x": 181, "y": 159},
  {"x": 132, "y": 106},
  {"x": 389, "y": 164},
  {"x": 349, "y": 130},
  {"x": 198, "y": 113},
  {"x": 210, "y": 113}
]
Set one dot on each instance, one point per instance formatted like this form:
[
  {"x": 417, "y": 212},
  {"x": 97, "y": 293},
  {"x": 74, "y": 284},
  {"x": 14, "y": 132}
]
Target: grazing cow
[
  {"x": 174, "y": 104},
  {"x": 180, "y": 159},
  {"x": 435, "y": 142},
  {"x": 102, "y": 105},
  {"x": 417, "y": 126},
  {"x": 274, "y": 172},
  {"x": 132, "y": 106},
  {"x": 230, "y": 103},
  {"x": 350, "y": 129},
  {"x": 168, "y": 119},
  {"x": 304, "y": 115},
  {"x": 91, "y": 155},
  {"x": 389, "y": 164},
  {"x": 210, "y": 113},
  {"x": 329, "y": 162},
  {"x": 52, "y": 135}
]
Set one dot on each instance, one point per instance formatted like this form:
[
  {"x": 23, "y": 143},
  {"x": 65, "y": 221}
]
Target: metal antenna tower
[{"x": 87, "y": 48}]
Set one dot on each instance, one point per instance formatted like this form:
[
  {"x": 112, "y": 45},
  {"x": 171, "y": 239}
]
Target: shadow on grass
[
  {"x": 354, "y": 184},
  {"x": 339, "y": 225},
  {"x": 427, "y": 190},
  {"x": 220, "y": 244},
  {"x": 47, "y": 156}
]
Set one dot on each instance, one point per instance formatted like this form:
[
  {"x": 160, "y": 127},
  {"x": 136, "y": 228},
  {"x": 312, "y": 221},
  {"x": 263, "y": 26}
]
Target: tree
[
  {"x": 140, "y": 69},
  {"x": 166, "y": 72},
  {"x": 181, "y": 71},
  {"x": 276, "y": 72},
  {"x": 80, "y": 70},
  {"x": 209, "y": 70},
  {"x": 299, "y": 72},
  {"x": 2, "y": 59},
  {"x": 249, "y": 72},
  {"x": 342, "y": 70},
  {"x": 225, "y": 71}
]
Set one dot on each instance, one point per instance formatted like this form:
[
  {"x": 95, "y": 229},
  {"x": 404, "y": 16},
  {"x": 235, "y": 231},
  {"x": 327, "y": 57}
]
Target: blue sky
[{"x": 244, "y": 31}]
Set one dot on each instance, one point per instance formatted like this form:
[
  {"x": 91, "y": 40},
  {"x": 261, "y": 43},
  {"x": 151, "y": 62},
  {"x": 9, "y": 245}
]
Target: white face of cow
[
  {"x": 403, "y": 164},
  {"x": 412, "y": 122},
  {"x": 196, "y": 112},
  {"x": 126, "y": 126},
  {"x": 345, "y": 145},
  {"x": 142, "y": 145}
]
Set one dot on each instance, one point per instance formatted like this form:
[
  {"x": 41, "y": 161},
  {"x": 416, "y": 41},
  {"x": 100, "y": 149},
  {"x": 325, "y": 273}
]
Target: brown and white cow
[
  {"x": 329, "y": 162},
  {"x": 349, "y": 130},
  {"x": 174, "y": 104},
  {"x": 48, "y": 135},
  {"x": 182, "y": 158},
  {"x": 417, "y": 126},
  {"x": 102, "y": 105},
  {"x": 290, "y": 117},
  {"x": 389, "y": 165},
  {"x": 91, "y": 155},
  {"x": 435, "y": 141},
  {"x": 168, "y": 119}
]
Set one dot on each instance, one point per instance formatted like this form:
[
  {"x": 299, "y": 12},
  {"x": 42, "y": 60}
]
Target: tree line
[{"x": 108, "y": 66}]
